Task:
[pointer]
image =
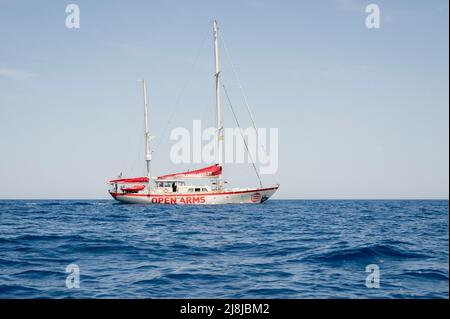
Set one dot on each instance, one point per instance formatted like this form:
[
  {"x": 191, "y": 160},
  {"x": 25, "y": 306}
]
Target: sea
[{"x": 279, "y": 249}]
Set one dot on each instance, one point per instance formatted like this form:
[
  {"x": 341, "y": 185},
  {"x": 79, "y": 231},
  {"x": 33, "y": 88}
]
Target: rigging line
[
  {"x": 177, "y": 101},
  {"x": 252, "y": 117},
  {"x": 249, "y": 110},
  {"x": 242, "y": 135}
]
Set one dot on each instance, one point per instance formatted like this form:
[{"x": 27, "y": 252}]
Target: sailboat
[{"x": 175, "y": 188}]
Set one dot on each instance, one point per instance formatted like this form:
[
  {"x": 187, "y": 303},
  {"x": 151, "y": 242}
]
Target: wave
[
  {"x": 150, "y": 282},
  {"x": 81, "y": 203},
  {"x": 14, "y": 263},
  {"x": 66, "y": 203},
  {"x": 267, "y": 293},
  {"x": 17, "y": 291},
  {"x": 285, "y": 251},
  {"x": 51, "y": 204},
  {"x": 31, "y": 238},
  {"x": 365, "y": 253},
  {"x": 195, "y": 276},
  {"x": 431, "y": 274},
  {"x": 39, "y": 274}
]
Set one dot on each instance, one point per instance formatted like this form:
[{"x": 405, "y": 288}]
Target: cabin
[{"x": 177, "y": 186}]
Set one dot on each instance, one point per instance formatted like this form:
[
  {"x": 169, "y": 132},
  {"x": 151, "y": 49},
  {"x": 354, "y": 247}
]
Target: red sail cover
[
  {"x": 130, "y": 180},
  {"x": 209, "y": 171}
]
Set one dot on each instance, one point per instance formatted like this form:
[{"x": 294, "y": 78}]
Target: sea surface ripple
[{"x": 280, "y": 249}]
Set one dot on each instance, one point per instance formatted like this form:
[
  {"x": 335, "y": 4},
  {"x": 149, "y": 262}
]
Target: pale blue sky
[{"x": 361, "y": 113}]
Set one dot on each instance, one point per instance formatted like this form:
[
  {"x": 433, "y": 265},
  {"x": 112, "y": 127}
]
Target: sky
[{"x": 361, "y": 113}]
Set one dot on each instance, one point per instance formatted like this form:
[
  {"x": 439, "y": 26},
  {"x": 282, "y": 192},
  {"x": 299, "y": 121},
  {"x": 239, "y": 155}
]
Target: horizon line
[{"x": 306, "y": 199}]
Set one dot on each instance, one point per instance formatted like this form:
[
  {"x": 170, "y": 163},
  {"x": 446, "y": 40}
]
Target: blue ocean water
[{"x": 280, "y": 249}]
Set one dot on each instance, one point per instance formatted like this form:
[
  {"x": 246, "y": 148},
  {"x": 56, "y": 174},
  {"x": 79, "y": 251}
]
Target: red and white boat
[{"x": 174, "y": 188}]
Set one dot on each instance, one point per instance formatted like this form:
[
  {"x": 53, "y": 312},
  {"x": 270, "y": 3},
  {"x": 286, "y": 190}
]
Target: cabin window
[
  {"x": 190, "y": 190},
  {"x": 197, "y": 189},
  {"x": 204, "y": 190}
]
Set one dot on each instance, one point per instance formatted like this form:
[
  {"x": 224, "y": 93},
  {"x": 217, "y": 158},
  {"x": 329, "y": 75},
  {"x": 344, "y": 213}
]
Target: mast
[
  {"x": 219, "y": 136},
  {"x": 148, "y": 154}
]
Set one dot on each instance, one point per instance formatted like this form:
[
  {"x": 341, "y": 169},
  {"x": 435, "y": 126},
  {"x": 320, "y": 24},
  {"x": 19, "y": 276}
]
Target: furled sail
[
  {"x": 209, "y": 171},
  {"x": 130, "y": 180}
]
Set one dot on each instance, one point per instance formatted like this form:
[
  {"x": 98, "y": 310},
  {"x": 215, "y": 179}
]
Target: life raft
[{"x": 133, "y": 189}]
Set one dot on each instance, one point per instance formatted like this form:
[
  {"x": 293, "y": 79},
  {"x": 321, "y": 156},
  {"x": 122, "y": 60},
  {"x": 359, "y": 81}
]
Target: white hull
[{"x": 245, "y": 196}]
